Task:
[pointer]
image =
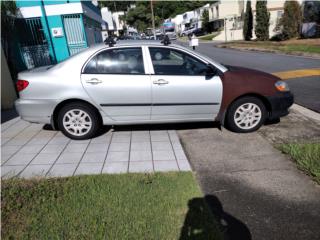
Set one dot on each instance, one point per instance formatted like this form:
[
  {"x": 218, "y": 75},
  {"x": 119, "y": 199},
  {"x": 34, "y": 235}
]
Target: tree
[
  {"x": 248, "y": 22},
  {"x": 205, "y": 21},
  {"x": 140, "y": 16},
  {"x": 8, "y": 12},
  {"x": 290, "y": 22},
  {"x": 116, "y": 6},
  {"x": 262, "y": 20}
]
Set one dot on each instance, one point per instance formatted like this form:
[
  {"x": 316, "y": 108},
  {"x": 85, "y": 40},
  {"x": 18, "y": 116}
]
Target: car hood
[{"x": 246, "y": 73}]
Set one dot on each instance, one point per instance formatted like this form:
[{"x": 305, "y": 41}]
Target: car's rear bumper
[
  {"x": 35, "y": 110},
  {"x": 280, "y": 104}
]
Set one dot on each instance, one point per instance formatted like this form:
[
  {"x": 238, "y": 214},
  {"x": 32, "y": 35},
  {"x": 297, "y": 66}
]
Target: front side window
[
  {"x": 116, "y": 61},
  {"x": 168, "y": 61}
]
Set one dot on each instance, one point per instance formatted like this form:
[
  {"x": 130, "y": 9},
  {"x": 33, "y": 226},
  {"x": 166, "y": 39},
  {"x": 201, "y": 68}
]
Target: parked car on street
[
  {"x": 145, "y": 82},
  {"x": 187, "y": 31}
]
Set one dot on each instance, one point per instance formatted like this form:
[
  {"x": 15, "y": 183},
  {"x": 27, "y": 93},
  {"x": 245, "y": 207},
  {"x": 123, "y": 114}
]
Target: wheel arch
[
  {"x": 256, "y": 95},
  {"x": 68, "y": 101}
]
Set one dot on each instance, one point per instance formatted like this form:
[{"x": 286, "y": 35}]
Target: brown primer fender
[{"x": 242, "y": 81}]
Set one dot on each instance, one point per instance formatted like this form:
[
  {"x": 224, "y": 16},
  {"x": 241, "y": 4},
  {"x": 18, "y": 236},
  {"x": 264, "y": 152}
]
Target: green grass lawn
[
  {"x": 127, "y": 206},
  {"x": 311, "y": 46},
  {"x": 307, "y": 157},
  {"x": 209, "y": 37},
  {"x": 301, "y": 48}
]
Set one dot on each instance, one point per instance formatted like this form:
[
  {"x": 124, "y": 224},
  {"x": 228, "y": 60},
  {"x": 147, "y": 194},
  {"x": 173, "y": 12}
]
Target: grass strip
[
  {"x": 306, "y": 156},
  {"x": 125, "y": 206}
]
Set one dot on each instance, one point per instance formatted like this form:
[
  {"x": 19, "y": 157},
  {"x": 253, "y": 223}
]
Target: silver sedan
[{"x": 142, "y": 83}]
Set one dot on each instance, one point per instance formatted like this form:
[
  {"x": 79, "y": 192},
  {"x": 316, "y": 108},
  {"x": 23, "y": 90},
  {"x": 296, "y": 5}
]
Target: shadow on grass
[{"x": 197, "y": 226}]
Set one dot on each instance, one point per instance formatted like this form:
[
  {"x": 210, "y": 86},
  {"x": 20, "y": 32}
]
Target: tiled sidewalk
[{"x": 27, "y": 150}]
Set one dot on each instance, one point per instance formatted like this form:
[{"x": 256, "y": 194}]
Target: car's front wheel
[
  {"x": 246, "y": 114},
  {"x": 78, "y": 121}
]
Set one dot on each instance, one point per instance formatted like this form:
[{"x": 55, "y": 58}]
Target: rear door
[
  {"x": 115, "y": 79},
  {"x": 181, "y": 88}
]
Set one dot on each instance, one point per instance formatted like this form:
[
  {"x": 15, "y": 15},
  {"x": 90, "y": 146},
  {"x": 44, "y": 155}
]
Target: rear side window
[{"x": 116, "y": 61}]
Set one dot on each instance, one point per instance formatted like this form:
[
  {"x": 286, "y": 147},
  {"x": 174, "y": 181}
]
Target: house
[
  {"x": 187, "y": 19},
  {"x": 193, "y": 19},
  {"x": 228, "y": 15},
  {"x": 197, "y": 16},
  {"x": 108, "y": 27},
  {"x": 114, "y": 23},
  {"x": 51, "y": 31},
  {"x": 177, "y": 20}
]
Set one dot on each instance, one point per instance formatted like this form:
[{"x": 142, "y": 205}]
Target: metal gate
[
  {"x": 75, "y": 33},
  {"x": 34, "y": 46}
]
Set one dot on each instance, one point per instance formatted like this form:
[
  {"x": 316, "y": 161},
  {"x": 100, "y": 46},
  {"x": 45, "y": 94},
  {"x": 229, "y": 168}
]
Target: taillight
[{"x": 22, "y": 84}]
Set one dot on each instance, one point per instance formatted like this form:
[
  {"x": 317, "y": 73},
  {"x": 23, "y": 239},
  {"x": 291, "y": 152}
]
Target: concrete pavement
[
  {"x": 256, "y": 184},
  {"x": 305, "y": 89},
  {"x": 29, "y": 150}
]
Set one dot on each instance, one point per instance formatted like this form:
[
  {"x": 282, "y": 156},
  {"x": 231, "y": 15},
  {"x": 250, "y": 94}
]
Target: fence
[{"x": 75, "y": 33}]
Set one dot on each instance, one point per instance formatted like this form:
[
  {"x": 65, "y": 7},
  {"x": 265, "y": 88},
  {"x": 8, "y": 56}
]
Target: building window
[{"x": 279, "y": 14}]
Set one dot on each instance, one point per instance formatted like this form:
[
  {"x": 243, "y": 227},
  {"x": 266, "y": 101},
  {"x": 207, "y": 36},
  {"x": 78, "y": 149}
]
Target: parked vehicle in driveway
[
  {"x": 187, "y": 31},
  {"x": 145, "y": 82}
]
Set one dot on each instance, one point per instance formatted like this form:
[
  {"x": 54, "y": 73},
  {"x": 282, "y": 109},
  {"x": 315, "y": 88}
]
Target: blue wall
[
  {"x": 58, "y": 46},
  {"x": 23, "y": 3},
  {"x": 59, "y": 43}
]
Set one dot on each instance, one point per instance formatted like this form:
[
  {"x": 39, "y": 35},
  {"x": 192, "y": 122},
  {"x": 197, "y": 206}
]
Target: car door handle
[
  {"x": 94, "y": 81},
  {"x": 160, "y": 82}
]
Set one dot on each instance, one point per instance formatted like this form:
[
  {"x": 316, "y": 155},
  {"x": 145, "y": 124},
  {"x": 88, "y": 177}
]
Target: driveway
[
  {"x": 33, "y": 150},
  {"x": 261, "y": 193}
]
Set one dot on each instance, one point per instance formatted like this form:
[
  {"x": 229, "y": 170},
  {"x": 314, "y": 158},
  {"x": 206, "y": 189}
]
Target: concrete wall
[{"x": 8, "y": 93}]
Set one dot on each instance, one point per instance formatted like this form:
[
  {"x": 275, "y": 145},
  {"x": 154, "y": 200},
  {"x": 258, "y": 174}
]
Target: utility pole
[
  {"x": 225, "y": 29},
  {"x": 153, "y": 26}
]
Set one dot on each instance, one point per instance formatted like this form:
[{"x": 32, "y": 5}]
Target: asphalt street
[{"x": 306, "y": 90}]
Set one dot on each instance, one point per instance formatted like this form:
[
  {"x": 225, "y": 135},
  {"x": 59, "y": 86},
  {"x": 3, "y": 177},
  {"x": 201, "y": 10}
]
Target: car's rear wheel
[
  {"x": 246, "y": 114},
  {"x": 78, "y": 121}
]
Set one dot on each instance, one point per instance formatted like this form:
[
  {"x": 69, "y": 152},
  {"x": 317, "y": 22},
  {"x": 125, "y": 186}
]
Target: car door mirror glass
[{"x": 211, "y": 71}]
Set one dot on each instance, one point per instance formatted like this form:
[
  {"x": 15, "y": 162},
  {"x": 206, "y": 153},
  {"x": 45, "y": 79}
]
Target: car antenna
[
  {"x": 166, "y": 40},
  {"x": 110, "y": 41}
]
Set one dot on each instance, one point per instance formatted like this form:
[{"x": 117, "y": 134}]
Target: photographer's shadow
[{"x": 199, "y": 224}]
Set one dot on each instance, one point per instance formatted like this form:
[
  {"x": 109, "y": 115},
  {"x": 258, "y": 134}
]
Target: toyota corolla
[{"x": 144, "y": 83}]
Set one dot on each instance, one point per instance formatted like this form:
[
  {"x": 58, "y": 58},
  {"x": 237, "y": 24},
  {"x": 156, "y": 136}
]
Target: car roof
[
  {"x": 138, "y": 43},
  {"x": 135, "y": 43}
]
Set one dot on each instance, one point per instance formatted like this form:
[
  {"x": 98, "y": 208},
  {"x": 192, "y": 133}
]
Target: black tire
[
  {"x": 92, "y": 115},
  {"x": 230, "y": 116}
]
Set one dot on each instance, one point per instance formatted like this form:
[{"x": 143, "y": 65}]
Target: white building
[
  {"x": 177, "y": 20},
  {"x": 227, "y": 15},
  {"x": 187, "y": 19},
  {"x": 114, "y": 24},
  {"x": 197, "y": 16},
  {"x": 108, "y": 26}
]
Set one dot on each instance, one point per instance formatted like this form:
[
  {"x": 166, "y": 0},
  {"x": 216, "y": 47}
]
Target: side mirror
[{"x": 211, "y": 71}]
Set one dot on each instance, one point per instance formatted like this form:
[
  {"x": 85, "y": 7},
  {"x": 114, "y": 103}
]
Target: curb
[{"x": 306, "y": 112}]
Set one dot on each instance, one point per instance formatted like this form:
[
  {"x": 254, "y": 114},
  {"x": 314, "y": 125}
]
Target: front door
[
  {"x": 180, "y": 88},
  {"x": 115, "y": 79}
]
